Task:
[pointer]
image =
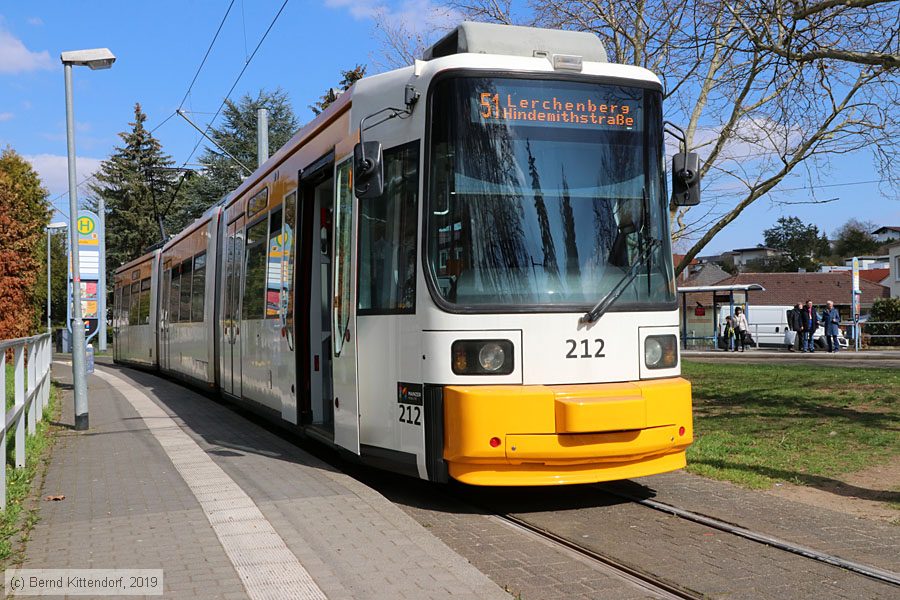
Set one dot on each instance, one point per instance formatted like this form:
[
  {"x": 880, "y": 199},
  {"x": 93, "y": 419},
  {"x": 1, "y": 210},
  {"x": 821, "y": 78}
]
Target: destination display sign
[{"x": 555, "y": 104}]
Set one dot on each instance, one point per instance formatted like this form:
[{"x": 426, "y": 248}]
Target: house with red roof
[{"x": 786, "y": 289}]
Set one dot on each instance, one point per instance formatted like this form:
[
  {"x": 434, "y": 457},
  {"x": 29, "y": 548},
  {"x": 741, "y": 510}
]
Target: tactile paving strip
[{"x": 266, "y": 566}]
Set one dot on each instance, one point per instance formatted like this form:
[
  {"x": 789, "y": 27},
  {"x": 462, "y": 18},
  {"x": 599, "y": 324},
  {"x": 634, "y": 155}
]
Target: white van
[{"x": 768, "y": 324}]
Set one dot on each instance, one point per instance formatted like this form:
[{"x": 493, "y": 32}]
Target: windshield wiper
[{"x": 606, "y": 301}]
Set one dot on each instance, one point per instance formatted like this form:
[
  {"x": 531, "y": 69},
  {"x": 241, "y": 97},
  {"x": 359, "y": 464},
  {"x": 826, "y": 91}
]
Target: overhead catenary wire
[
  {"x": 199, "y": 68},
  {"x": 205, "y": 56},
  {"x": 237, "y": 80}
]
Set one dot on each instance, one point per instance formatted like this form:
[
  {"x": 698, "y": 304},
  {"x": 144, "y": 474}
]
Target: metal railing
[
  {"x": 693, "y": 341},
  {"x": 713, "y": 340},
  {"x": 865, "y": 338},
  {"x": 31, "y": 391}
]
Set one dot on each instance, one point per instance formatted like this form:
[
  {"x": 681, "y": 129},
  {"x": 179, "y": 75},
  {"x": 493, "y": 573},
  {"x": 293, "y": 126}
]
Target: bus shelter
[{"x": 721, "y": 295}]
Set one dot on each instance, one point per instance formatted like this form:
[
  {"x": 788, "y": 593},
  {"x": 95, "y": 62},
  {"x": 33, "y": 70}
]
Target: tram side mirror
[
  {"x": 368, "y": 170},
  {"x": 686, "y": 179}
]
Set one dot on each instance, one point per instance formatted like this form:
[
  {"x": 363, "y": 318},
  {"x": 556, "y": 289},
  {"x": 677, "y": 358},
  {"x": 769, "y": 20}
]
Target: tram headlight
[
  {"x": 482, "y": 357},
  {"x": 660, "y": 351},
  {"x": 491, "y": 357}
]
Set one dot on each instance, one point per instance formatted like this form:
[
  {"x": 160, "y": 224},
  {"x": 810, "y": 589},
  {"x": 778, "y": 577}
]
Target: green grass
[
  {"x": 16, "y": 522},
  {"x": 756, "y": 425},
  {"x": 10, "y": 384}
]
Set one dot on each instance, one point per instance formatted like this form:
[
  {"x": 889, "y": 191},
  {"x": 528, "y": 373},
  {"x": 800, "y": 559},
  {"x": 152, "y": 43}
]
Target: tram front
[
  {"x": 537, "y": 340},
  {"x": 551, "y": 327}
]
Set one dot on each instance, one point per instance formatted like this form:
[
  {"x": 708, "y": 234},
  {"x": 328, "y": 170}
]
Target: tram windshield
[{"x": 545, "y": 193}]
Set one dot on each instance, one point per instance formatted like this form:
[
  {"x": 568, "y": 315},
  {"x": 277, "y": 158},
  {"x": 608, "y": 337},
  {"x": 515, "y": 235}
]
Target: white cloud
[
  {"x": 359, "y": 9},
  {"x": 421, "y": 16},
  {"x": 6, "y": 116},
  {"x": 16, "y": 58},
  {"x": 410, "y": 15},
  {"x": 35, "y": 21},
  {"x": 54, "y": 170}
]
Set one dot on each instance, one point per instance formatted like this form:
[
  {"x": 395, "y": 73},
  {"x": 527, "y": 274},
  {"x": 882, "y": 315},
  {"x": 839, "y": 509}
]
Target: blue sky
[{"x": 160, "y": 44}]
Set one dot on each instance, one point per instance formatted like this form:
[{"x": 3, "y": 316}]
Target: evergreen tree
[
  {"x": 24, "y": 213},
  {"x": 237, "y": 135},
  {"x": 348, "y": 78},
  {"x": 854, "y": 238},
  {"x": 137, "y": 183},
  {"x": 801, "y": 245}
]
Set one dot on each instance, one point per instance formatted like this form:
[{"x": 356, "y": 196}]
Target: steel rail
[
  {"x": 658, "y": 586},
  {"x": 882, "y": 575}
]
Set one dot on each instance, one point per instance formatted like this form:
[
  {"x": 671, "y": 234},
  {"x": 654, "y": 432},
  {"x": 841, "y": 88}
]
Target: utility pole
[
  {"x": 98, "y": 58},
  {"x": 101, "y": 285},
  {"x": 48, "y": 284},
  {"x": 262, "y": 136},
  {"x": 78, "y": 359}
]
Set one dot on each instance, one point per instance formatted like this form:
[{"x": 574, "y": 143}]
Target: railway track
[
  {"x": 607, "y": 564},
  {"x": 661, "y": 584},
  {"x": 870, "y": 571}
]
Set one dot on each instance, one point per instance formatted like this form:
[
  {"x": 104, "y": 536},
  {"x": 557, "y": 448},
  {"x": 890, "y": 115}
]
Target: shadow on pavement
[{"x": 825, "y": 484}]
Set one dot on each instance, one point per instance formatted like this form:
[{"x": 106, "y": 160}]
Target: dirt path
[{"x": 872, "y": 493}]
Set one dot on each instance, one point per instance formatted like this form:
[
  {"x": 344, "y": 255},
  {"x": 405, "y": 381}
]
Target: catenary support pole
[
  {"x": 48, "y": 280},
  {"x": 101, "y": 285},
  {"x": 262, "y": 136},
  {"x": 79, "y": 375}
]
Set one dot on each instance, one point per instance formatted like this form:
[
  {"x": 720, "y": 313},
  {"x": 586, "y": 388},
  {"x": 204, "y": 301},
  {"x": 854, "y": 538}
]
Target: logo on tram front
[{"x": 409, "y": 393}]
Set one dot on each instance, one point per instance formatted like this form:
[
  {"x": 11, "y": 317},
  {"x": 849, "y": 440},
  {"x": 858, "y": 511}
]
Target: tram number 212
[
  {"x": 586, "y": 350},
  {"x": 411, "y": 415}
]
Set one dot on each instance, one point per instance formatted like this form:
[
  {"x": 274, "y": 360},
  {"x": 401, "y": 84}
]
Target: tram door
[
  {"x": 164, "y": 316},
  {"x": 231, "y": 337},
  {"x": 315, "y": 367},
  {"x": 343, "y": 314}
]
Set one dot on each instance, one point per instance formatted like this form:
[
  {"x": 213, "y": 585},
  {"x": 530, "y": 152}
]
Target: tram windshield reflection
[{"x": 542, "y": 192}]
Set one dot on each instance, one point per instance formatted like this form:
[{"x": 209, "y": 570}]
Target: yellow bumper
[{"x": 564, "y": 434}]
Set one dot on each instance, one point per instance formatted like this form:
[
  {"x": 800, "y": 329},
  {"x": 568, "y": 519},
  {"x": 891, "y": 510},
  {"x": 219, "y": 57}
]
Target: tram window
[
  {"x": 287, "y": 265},
  {"x": 166, "y": 290},
  {"x": 184, "y": 312},
  {"x": 199, "y": 287},
  {"x": 115, "y": 300},
  {"x": 253, "y": 306},
  {"x": 134, "y": 309},
  {"x": 273, "y": 270},
  {"x": 343, "y": 223},
  {"x": 124, "y": 304},
  {"x": 387, "y": 237},
  {"x": 174, "y": 294},
  {"x": 144, "y": 311}
]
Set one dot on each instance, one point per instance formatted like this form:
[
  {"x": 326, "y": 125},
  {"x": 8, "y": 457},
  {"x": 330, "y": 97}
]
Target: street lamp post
[
  {"x": 51, "y": 226},
  {"x": 99, "y": 58}
]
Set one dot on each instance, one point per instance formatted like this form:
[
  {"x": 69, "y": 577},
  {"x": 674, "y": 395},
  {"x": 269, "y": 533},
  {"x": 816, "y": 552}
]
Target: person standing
[
  {"x": 741, "y": 328},
  {"x": 831, "y": 318},
  {"x": 795, "y": 328},
  {"x": 810, "y": 325},
  {"x": 728, "y": 334}
]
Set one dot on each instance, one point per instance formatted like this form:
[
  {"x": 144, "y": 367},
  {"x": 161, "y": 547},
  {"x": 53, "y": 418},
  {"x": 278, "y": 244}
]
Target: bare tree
[
  {"x": 403, "y": 40},
  {"x": 769, "y": 90},
  {"x": 846, "y": 30}
]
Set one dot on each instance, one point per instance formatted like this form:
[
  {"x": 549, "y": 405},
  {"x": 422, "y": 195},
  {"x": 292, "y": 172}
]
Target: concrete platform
[{"x": 169, "y": 479}]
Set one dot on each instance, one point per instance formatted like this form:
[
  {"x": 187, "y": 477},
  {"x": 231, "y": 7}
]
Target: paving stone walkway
[{"x": 128, "y": 505}]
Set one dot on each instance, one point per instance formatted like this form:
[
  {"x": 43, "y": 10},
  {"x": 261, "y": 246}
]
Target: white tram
[{"x": 460, "y": 269}]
